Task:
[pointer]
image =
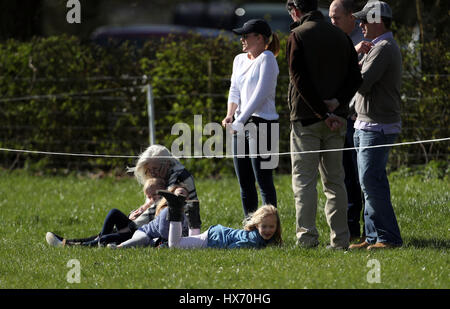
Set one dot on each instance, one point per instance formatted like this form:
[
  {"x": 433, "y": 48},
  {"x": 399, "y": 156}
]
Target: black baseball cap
[{"x": 254, "y": 26}]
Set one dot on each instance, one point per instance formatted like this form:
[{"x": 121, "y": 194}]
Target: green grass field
[{"x": 76, "y": 206}]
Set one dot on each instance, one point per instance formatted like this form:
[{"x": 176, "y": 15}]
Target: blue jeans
[
  {"x": 248, "y": 170},
  {"x": 380, "y": 221}
]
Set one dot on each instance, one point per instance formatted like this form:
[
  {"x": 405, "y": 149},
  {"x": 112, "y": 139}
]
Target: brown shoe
[
  {"x": 361, "y": 245},
  {"x": 380, "y": 245}
]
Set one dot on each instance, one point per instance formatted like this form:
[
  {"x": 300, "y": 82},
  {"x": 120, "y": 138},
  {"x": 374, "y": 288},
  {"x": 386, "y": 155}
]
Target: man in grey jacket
[{"x": 378, "y": 123}]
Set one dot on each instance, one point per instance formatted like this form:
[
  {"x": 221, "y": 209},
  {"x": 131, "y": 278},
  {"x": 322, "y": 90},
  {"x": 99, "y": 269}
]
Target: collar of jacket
[{"x": 310, "y": 16}]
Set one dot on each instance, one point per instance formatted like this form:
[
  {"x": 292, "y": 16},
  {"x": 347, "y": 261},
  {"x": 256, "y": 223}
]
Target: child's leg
[
  {"x": 139, "y": 239},
  {"x": 176, "y": 241},
  {"x": 79, "y": 241},
  {"x": 175, "y": 230},
  {"x": 114, "y": 218},
  {"x": 116, "y": 238},
  {"x": 175, "y": 217},
  {"x": 193, "y": 232}
]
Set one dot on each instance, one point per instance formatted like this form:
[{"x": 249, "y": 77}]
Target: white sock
[
  {"x": 175, "y": 230},
  {"x": 193, "y": 232}
]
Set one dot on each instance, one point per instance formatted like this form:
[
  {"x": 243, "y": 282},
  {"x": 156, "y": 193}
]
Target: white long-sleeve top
[{"x": 253, "y": 86}]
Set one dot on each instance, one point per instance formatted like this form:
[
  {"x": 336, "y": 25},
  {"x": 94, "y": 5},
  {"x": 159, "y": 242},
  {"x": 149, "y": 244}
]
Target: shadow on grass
[{"x": 428, "y": 243}]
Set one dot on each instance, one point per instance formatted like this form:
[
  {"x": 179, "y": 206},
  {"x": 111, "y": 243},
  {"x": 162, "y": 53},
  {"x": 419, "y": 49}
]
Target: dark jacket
[{"x": 323, "y": 64}]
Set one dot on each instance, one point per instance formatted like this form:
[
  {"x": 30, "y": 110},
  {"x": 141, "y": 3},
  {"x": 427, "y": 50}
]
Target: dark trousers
[
  {"x": 354, "y": 193},
  {"x": 248, "y": 171},
  {"x": 114, "y": 222}
]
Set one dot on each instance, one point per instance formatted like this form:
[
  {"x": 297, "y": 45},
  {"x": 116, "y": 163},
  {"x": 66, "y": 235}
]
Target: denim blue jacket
[{"x": 228, "y": 238}]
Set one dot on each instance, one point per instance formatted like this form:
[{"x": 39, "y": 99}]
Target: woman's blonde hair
[
  {"x": 273, "y": 43},
  {"x": 163, "y": 202},
  {"x": 154, "y": 153},
  {"x": 257, "y": 217}
]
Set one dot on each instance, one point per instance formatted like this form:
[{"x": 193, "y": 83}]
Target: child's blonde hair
[
  {"x": 263, "y": 212},
  {"x": 163, "y": 202},
  {"x": 158, "y": 182}
]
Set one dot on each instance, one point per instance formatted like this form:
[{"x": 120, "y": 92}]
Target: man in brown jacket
[{"x": 324, "y": 76}]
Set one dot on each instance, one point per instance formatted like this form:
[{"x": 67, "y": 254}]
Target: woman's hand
[
  {"x": 231, "y": 109},
  {"x": 227, "y": 120},
  {"x": 134, "y": 215}
]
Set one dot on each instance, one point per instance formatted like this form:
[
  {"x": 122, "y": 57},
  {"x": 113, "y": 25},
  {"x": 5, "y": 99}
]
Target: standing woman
[{"x": 252, "y": 100}]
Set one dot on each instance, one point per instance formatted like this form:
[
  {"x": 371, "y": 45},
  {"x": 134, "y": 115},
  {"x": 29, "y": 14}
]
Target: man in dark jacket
[{"x": 324, "y": 76}]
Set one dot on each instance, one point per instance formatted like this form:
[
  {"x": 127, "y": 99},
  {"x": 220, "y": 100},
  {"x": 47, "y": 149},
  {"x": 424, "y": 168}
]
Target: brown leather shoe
[
  {"x": 361, "y": 245},
  {"x": 380, "y": 245}
]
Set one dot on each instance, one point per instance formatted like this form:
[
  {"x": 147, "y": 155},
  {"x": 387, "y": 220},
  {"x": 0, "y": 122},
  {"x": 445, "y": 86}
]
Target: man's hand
[
  {"x": 334, "y": 122},
  {"x": 363, "y": 47},
  {"x": 331, "y": 104}
]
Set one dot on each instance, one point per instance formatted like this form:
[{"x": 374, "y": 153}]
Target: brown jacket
[{"x": 323, "y": 64}]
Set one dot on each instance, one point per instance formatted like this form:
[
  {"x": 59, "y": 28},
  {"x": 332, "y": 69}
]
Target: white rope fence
[{"x": 222, "y": 156}]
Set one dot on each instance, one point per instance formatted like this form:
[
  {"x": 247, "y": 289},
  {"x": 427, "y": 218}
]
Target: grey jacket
[{"x": 378, "y": 98}]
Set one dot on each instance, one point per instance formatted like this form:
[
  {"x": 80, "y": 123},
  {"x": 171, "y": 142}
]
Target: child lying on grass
[
  {"x": 261, "y": 229},
  {"x": 117, "y": 226}
]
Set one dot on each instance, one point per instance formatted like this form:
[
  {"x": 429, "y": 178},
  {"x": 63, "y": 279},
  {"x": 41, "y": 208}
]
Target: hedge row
[{"x": 93, "y": 101}]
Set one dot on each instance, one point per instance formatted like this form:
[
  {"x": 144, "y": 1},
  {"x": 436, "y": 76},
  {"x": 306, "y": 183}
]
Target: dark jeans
[
  {"x": 354, "y": 193},
  {"x": 248, "y": 170},
  {"x": 114, "y": 222}
]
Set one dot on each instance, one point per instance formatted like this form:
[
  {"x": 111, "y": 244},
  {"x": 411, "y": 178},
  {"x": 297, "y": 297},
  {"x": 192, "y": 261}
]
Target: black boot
[
  {"x": 175, "y": 204},
  {"x": 192, "y": 211}
]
